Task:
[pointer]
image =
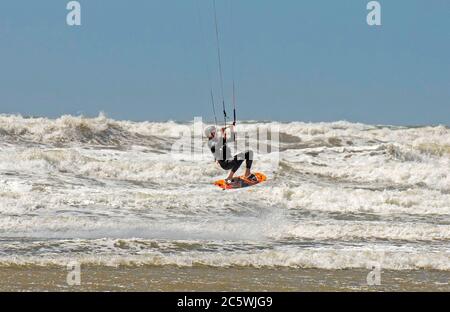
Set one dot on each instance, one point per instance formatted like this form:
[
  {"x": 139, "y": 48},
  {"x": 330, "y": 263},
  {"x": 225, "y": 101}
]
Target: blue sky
[{"x": 311, "y": 60}]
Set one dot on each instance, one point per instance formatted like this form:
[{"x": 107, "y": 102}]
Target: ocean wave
[
  {"x": 95, "y": 131},
  {"x": 336, "y": 259},
  {"x": 107, "y": 192},
  {"x": 105, "y": 131}
]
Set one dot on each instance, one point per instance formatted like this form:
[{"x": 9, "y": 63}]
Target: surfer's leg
[
  {"x": 232, "y": 165},
  {"x": 239, "y": 159},
  {"x": 236, "y": 164},
  {"x": 230, "y": 175},
  {"x": 248, "y": 163}
]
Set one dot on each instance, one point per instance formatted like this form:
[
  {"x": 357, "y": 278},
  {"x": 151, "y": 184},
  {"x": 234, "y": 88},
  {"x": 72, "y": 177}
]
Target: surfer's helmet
[{"x": 210, "y": 131}]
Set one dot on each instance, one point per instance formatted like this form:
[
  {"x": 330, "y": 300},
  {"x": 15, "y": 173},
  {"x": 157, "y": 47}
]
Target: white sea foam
[
  {"x": 342, "y": 195},
  {"x": 323, "y": 258}
]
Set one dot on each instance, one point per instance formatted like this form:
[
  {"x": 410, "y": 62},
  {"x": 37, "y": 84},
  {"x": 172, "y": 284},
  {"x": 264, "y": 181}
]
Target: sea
[{"x": 346, "y": 207}]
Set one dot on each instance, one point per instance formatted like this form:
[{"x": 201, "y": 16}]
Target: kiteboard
[{"x": 241, "y": 182}]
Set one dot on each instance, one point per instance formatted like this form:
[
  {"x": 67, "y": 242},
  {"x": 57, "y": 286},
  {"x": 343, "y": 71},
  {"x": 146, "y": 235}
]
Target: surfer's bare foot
[{"x": 247, "y": 173}]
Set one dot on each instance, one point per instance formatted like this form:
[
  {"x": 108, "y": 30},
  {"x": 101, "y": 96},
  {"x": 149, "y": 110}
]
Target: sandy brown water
[{"x": 150, "y": 278}]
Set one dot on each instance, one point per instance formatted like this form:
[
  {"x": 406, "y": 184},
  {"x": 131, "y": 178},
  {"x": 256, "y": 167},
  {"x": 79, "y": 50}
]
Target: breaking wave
[{"x": 111, "y": 192}]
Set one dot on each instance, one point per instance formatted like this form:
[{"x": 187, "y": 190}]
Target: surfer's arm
[
  {"x": 232, "y": 135},
  {"x": 212, "y": 146},
  {"x": 216, "y": 147}
]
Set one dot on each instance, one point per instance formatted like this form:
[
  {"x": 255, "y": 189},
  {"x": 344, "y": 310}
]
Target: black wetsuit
[{"x": 222, "y": 154}]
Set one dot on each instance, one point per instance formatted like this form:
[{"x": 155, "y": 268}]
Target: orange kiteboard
[{"x": 241, "y": 182}]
